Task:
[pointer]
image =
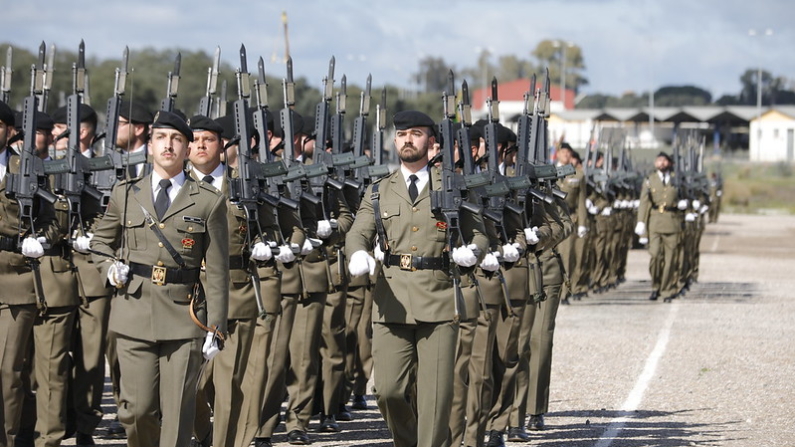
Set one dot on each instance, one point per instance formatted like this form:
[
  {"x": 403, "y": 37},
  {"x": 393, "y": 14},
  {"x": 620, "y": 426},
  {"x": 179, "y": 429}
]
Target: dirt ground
[{"x": 716, "y": 368}]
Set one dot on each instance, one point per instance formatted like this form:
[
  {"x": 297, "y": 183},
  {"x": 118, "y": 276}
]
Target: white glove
[
  {"x": 82, "y": 243},
  {"x": 118, "y": 274},
  {"x": 323, "y": 229},
  {"x": 582, "y": 231},
  {"x": 719, "y": 193},
  {"x": 626, "y": 204},
  {"x": 307, "y": 247},
  {"x": 286, "y": 254},
  {"x": 593, "y": 209},
  {"x": 607, "y": 211},
  {"x": 510, "y": 252},
  {"x": 31, "y": 247},
  {"x": 261, "y": 252},
  {"x": 490, "y": 263},
  {"x": 464, "y": 256},
  {"x": 690, "y": 217},
  {"x": 210, "y": 347},
  {"x": 682, "y": 204},
  {"x": 704, "y": 209},
  {"x": 696, "y": 204},
  {"x": 588, "y": 203},
  {"x": 640, "y": 228},
  {"x": 643, "y": 241},
  {"x": 361, "y": 263},
  {"x": 636, "y": 204},
  {"x": 531, "y": 235},
  {"x": 379, "y": 255}
]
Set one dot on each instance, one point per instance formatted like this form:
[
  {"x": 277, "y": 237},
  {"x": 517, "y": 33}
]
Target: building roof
[
  {"x": 515, "y": 90},
  {"x": 690, "y": 114}
]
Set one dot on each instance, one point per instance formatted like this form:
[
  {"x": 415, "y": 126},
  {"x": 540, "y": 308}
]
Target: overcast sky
[{"x": 627, "y": 44}]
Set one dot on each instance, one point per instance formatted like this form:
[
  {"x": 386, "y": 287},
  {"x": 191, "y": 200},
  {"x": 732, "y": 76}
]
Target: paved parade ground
[{"x": 716, "y": 368}]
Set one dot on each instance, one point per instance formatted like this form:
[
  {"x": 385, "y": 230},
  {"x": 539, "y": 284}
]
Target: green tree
[
  {"x": 551, "y": 54},
  {"x": 676, "y": 96}
]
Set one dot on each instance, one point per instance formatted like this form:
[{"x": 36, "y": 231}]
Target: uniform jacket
[
  {"x": 574, "y": 187},
  {"x": 196, "y": 225},
  {"x": 15, "y": 273},
  {"x": 655, "y": 195},
  {"x": 402, "y": 296}
]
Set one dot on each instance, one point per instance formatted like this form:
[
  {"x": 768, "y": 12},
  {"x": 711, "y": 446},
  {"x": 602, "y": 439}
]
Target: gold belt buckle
[
  {"x": 661, "y": 208},
  {"x": 159, "y": 275},
  {"x": 405, "y": 262}
]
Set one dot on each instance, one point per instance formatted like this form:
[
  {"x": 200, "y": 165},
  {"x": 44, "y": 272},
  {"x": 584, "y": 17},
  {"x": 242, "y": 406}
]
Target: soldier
[
  {"x": 133, "y": 135},
  {"x": 415, "y": 325},
  {"x": 88, "y": 371},
  {"x": 164, "y": 226},
  {"x": 660, "y": 225},
  {"x": 20, "y": 294},
  {"x": 574, "y": 187}
]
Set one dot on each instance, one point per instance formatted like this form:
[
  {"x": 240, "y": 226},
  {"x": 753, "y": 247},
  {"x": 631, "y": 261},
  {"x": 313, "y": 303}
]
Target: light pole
[
  {"x": 753, "y": 33},
  {"x": 562, "y": 46}
]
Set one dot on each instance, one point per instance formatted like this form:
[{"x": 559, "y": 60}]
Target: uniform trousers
[
  {"x": 332, "y": 351},
  {"x": 158, "y": 390},
  {"x": 88, "y": 373},
  {"x": 420, "y": 355},
  {"x": 304, "y": 365},
  {"x": 276, "y": 388},
  {"x": 16, "y": 330},
  {"x": 662, "y": 266}
]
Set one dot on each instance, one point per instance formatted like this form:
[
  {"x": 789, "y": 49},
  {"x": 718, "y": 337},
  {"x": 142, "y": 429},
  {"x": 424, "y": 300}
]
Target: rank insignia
[
  {"x": 188, "y": 243},
  {"x": 242, "y": 229},
  {"x": 441, "y": 225}
]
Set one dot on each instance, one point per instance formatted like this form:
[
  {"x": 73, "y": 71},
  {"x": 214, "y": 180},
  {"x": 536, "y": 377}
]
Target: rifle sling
[
  {"x": 166, "y": 244},
  {"x": 379, "y": 224}
]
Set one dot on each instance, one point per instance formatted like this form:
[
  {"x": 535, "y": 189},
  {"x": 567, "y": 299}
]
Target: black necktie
[
  {"x": 132, "y": 171},
  {"x": 208, "y": 179},
  {"x": 161, "y": 202},
  {"x": 413, "y": 193}
]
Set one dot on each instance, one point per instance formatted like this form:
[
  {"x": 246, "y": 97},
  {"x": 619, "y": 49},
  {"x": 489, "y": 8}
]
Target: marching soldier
[
  {"x": 660, "y": 225},
  {"x": 21, "y": 289},
  {"x": 163, "y": 226},
  {"x": 574, "y": 187},
  {"x": 415, "y": 329}
]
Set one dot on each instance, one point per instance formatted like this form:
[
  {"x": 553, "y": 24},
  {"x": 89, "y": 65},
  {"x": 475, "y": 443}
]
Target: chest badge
[
  {"x": 441, "y": 226},
  {"x": 188, "y": 243}
]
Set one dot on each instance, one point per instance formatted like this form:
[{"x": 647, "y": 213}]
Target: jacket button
[
  {"x": 414, "y": 208},
  {"x": 414, "y": 229},
  {"x": 129, "y": 222},
  {"x": 160, "y": 244},
  {"x": 413, "y": 248},
  {"x": 190, "y": 228},
  {"x": 162, "y": 225},
  {"x": 386, "y": 214},
  {"x": 160, "y": 263}
]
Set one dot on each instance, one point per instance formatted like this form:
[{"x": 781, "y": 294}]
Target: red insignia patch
[
  {"x": 441, "y": 225},
  {"x": 188, "y": 243}
]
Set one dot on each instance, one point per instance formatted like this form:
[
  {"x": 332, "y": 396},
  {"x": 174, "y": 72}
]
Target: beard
[{"x": 411, "y": 154}]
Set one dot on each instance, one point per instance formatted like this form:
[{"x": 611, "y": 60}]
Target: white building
[{"x": 772, "y": 136}]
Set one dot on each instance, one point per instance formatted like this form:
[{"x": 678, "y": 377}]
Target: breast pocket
[
  {"x": 390, "y": 216},
  {"x": 135, "y": 231},
  {"x": 191, "y": 236}
]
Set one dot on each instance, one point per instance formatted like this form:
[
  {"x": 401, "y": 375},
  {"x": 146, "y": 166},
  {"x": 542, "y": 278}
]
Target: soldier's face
[
  {"x": 43, "y": 141},
  {"x": 412, "y": 144},
  {"x": 206, "y": 149},
  {"x": 662, "y": 163},
  {"x": 57, "y": 130},
  {"x": 168, "y": 148},
  {"x": 564, "y": 156}
]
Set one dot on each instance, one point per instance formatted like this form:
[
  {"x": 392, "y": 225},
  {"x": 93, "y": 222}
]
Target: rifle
[
  {"x": 167, "y": 103},
  {"x": 343, "y": 162},
  {"x": 359, "y": 160},
  {"x": 45, "y": 83},
  {"x": 206, "y": 103},
  {"x": 497, "y": 188},
  {"x": 72, "y": 182},
  {"x": 222, "y": 102},
  {"x": 449, "y": 201},
  {"x": 377, "y": 169},
  {"x": 5, "y": 77},
  {"x": 295, "y": 171}
]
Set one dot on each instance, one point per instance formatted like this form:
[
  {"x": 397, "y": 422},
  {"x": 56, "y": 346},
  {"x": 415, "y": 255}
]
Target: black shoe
[
  {"x": 262, "y": 442},
  {"x": 24, "y": 438},
  {"x": 343, "y": 414},
  {"x": 495, "y": 439},
  {"x": 298, "y": 437},
  {"x": 669, "y": 299},
  {"x": 517, "y": 434},
  {"x": 537, "y": 422},
  {"x": 82, "y": 439},
  {"x": 115, "y": 429},
  {"x": 206, "y": 442},
  {"x": 565, "y": 301},
  {"x": 329, "y": 425},
  {"x": 654, "y": 295},
  {"x": 359, "y": 402}
]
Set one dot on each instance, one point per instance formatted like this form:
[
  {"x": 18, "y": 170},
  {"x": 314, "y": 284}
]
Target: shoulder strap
[
  {"x": 151, "y": 223},
  {"x": 379, "y": 224}
]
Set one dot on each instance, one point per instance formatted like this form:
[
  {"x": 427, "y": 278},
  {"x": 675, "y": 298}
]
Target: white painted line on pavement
[
  {"x": 632, "y": 402},
  {"x": 715, "y": 243}
]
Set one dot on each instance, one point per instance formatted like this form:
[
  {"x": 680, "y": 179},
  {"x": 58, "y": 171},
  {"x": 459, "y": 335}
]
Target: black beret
[
  {"x": 566, "y": 145},
  {"x": 576, "y": 155},
  {"x": 227, "y": 123},
  {"x": 6, "y": 114},
  {"x": 18, "y": 120},
  {"x": 201, "y": 122},
  {"x": 666, "y": 156},
  {"x": 309, "y": 128},
  {"x": 44, "y": 122},
  {"x": 298, "y": 123},
  {"x": 412, "y": 118},
  {"x": 164, "y": 119},
  {"x": 180, "y": 114},
  {"x": 87, "y": 115},
  {"x": 137, "y": 114},
  {"x": 505, "y": 135},
  {"x": 475, "y": 134}
]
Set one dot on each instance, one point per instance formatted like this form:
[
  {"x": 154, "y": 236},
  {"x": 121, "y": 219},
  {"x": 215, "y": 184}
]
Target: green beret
[{"x": 170, "y": 120}]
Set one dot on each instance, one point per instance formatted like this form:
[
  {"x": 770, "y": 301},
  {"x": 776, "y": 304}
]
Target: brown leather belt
[
  {"x": 165, "y": 275},
  {"x": 411, "y": 262}
]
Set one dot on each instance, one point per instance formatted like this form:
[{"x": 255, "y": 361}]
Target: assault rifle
[
  {"x": 378, "y": 169},
  {"x": 71, "y": 182},
  {"x": 206, "y": 103},
  {"x": 450, "y": 200},
  {"x": 359, "y": 161},
  {"x": 296, "y": 172},
  {"x": 5, "y": 77},
  {"x": 167, "y": 103},
  {"x": 45, "y": 81}
]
